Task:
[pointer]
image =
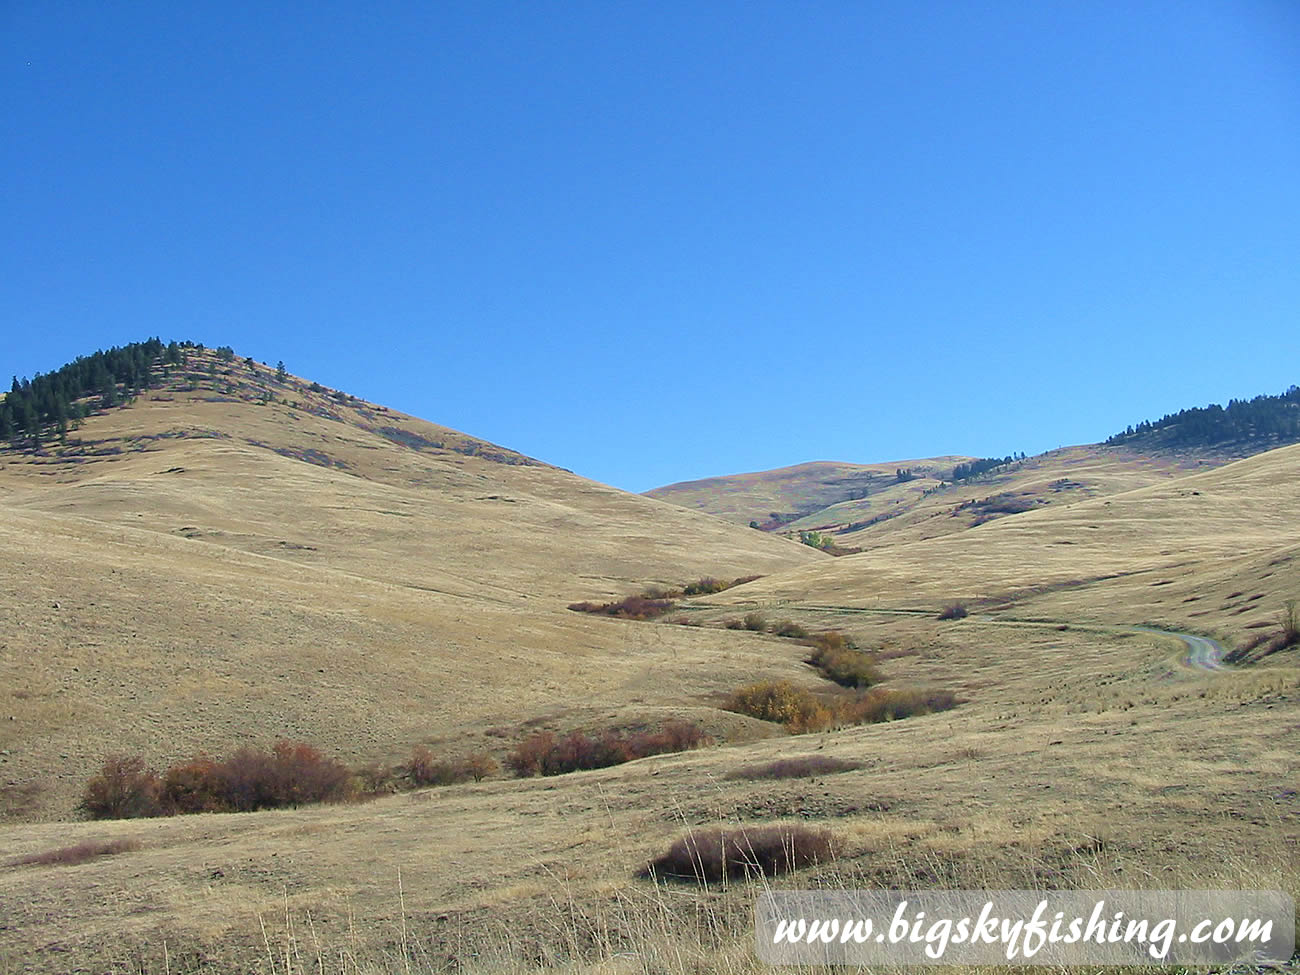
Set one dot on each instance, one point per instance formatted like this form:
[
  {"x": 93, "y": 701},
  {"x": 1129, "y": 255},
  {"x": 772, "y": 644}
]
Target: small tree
[{"x": 281, "y": 374}]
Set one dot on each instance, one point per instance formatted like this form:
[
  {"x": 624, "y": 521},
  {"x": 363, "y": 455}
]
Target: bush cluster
[
  {"x": 783, "y": 703},
  {"x": 546, "y": 754},
  {"x": 802, "y": 711},
  {"x": 954, "y": 611},
  {"x": 757, "y": 851},
  {"x": 424, "y": 769},
  {"x": 656, "y": 601},
  {"x": 631, "y": 608},
  {"x": 290, "y": 774},
  {"x": 879, "y": 704},
  {"x": 836, "y": 657}
]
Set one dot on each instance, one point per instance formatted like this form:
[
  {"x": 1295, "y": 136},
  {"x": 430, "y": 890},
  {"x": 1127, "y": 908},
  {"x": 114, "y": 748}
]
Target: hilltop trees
[
  {"x": 1273, "y": 419},
  {"x": 48, "y": 405}
]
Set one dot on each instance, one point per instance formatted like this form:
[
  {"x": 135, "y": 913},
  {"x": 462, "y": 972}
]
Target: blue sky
[{"x": 658, "y": 241}]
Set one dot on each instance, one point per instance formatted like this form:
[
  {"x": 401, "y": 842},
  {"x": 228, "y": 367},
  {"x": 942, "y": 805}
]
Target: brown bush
[
  {"x": 423, "y": 769},
  {"x": 544, "y": 754},
  {"x": 780, "y": 701},
  {"x": 530, "y": 754},
  {"x": 291, "y": 774},
  {"x": 480, "y": 765},
  {"x": 735, "y": 624},
  {"x": 705, "y": 587},
  {"x": 791, "y": 629},
  {"x": 193, "y": 787},
  {"x": 756, "y": 622},
  {"x": 377, "y": 779},
  {"x": 631, "y": 608},
  {"x": 953, "y": 611},
  {"x": 878, "y": 704},
  {"x": 838, "y": 660},
  {"x": 68, "y": 856},
  {"x": 124, "y": 788},
  {"x": 803, "y": 767},
  {"x": 713, "y": 855}
]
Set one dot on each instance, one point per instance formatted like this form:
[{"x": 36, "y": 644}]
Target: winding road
[{"x": 1202, "y": 652}]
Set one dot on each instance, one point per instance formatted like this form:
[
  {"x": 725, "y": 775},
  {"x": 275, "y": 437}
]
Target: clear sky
[{"x": 658, "y": 241}]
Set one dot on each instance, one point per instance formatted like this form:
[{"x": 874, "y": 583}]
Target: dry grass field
[{"x": 196, "y": 579}]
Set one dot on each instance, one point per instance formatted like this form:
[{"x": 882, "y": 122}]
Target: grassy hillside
[{"x": 208, "y": 566}]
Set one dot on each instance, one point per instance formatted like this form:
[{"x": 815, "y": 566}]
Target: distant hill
[
  {"x": 783, "y": 496},
  {"x": 852, "y": 506}
]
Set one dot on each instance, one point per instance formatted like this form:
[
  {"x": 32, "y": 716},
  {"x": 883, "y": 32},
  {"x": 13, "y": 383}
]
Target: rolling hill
[{"x": 234, "y": 557}]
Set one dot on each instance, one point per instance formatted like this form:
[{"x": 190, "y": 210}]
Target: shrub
[
  {"x": 953, "y": 611},
  {"x": 376, "y": 779},
  {"x": 480, "y": 765},
  {"x": 290, "y": 774},
  {"x": 780, "y": 701},
  {"x": 718, "y": 854},
  {"x": 789, "y": 628},
  {"x": 705, "y": 587},
  {"x": 631, "y": 608},
  {"x": 803, "y": 767},
  {"x": 877, "y": 705},
  {"x": 423, "y": 769},
  {"x": 193, "y": 787},
  {"x": 1290, "y": 623},
  {"x": 833, "y": 654},
  {"x": 756, "y": 622},
  {"x": 735, "y": 624},
  {"x": 124, "y": 788},
  {"x": 544, "y": 754}
]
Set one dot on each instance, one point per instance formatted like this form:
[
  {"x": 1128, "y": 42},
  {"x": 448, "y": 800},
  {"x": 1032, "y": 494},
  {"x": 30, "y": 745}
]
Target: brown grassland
[{"x": 204, "y": 571}]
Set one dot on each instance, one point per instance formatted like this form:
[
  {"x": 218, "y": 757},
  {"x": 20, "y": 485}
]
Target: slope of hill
[{"x": 236, "y": 557}]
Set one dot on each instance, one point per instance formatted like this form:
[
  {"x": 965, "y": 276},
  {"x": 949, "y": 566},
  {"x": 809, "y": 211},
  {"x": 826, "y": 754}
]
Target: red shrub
[
  {"x": 544, "y": 754},
  {"x": 123, "y": 789}
]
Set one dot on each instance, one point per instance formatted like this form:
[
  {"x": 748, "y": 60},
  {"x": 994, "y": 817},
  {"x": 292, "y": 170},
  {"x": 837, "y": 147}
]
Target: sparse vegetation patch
[
  {"x": 70, "y": 856},
  {"x": 802, "y": 767}
]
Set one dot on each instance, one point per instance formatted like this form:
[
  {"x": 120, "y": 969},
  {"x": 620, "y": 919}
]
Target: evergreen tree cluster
[
  {"x": 44, "y": 406},
  {"x": 1264, "y": 418},
  {"x": 984, "y": 464}
]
